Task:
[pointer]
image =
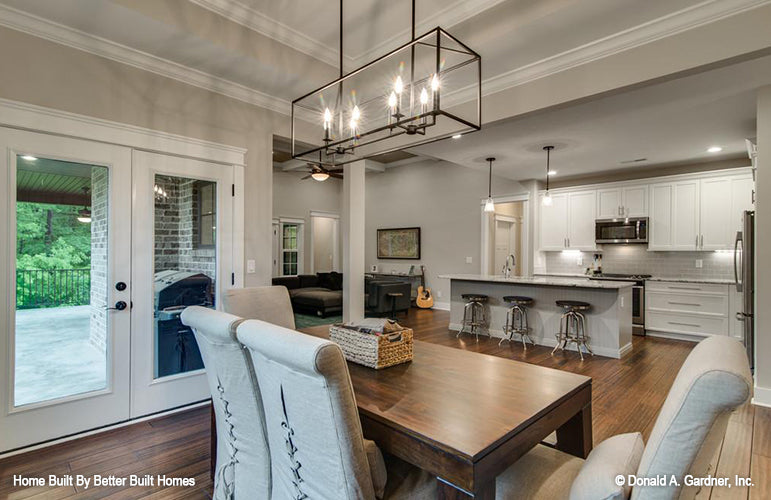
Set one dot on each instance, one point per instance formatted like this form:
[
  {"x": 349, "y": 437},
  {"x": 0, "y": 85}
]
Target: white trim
[
  {"x": 329, "y": 215},
  {"x": 762, "y": 396},
  {"x": 87, "y": 42},
  {"x": 108, "y": 428},
  {"x": 484, "y": 260},
  {"x": 52, "y": 121},
  {"x": 239, "y": 231},
  {"x": 506, "y": 218},
  {"x": 290, "y": 220},
  {"x": 441, "y": 306}
]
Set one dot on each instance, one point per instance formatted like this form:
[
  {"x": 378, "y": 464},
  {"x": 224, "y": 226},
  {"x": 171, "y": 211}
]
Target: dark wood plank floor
[{"x": 627, "y": 395}]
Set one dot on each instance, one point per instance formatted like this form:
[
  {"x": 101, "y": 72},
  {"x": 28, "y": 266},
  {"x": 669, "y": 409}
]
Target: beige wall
[
  {"x": 52, "y": 75},
  {"x": 445, "y": 201},
  {"x": 762, "y": 251},
  {"x": 297, "y": 198}
]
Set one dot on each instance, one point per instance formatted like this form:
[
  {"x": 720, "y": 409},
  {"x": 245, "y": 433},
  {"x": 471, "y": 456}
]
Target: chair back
[
  {"x": 266, "y": 303},
  {"x": 714, "y": 380},
  {"x": 243, "y": 460},
  {"x": 316, "y": 443}
]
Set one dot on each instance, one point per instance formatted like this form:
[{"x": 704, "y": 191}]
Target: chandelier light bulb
[
  {"x": 423, "y": 97},
  {"x": 355, "y": 114},
  {"x": 327, "y": 118},
  {"x": 398, "y": 86},
  {"x": 392, "y": 100},
  {"x": 434, "y": 83}
]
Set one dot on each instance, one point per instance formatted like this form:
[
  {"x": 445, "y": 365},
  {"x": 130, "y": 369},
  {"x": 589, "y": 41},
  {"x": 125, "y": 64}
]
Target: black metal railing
[{"x": 52, "y": 287}]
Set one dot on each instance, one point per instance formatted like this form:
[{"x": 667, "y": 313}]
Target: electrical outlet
[
  {"x": 580, "y": 260},
  {"x": 251, "y": 267},
  {"x": 622, "y": 301},
  {"x": 438, "y": 294},
  {"x": 469, "y": 260},
  {"x": 699, "y": 263}
]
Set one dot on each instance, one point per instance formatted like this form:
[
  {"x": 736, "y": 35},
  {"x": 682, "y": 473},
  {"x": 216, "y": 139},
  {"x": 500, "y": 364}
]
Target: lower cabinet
[{"x": 690, "y": 310}]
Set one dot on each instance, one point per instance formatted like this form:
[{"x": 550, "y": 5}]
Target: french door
[{"x": 102, "y": 248}]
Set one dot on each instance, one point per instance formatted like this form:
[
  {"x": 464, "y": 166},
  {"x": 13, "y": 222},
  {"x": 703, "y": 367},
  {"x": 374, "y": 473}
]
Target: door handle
[{"x": 119, "y": 306}]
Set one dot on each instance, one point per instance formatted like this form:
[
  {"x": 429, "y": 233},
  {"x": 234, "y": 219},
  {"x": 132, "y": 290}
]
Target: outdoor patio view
[{"x": 61, "y": 245}]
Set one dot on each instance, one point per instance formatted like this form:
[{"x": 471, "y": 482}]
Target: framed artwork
[{"x": 398, "y": 243}]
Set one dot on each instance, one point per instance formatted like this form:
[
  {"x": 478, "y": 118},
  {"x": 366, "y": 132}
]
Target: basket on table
[{"x": 373, "y": 350}]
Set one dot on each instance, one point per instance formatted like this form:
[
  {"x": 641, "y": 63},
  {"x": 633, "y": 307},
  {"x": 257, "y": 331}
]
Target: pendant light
[
  {"x": 84, "y": 214},
  {"x": 547, "y": 197},
  {"x": 489, "y": 204}
]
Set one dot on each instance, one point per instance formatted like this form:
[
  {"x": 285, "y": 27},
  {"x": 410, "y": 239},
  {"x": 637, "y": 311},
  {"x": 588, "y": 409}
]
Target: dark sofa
[{"x": 320, "y": 294}]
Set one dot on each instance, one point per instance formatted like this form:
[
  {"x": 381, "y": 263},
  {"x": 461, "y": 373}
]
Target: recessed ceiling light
[
  {"x": 552, "y": 172},
  {"x": 28, "y": 158},
  {"x": 457, "y": 136},
  {"x": 714, "y": 149}
]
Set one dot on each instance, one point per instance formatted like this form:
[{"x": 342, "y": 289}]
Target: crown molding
[{"x": 71, "y": 37}]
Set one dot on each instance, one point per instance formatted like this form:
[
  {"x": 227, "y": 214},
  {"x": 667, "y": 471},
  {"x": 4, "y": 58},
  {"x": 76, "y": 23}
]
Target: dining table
[{"x": 465, "y": 417}]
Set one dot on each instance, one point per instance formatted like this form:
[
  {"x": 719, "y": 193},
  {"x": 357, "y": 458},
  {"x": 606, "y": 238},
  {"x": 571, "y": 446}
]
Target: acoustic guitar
[{"x": 424, "y": 299}]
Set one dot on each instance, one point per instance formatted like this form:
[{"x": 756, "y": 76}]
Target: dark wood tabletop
[{"x": 465, "y": 417}]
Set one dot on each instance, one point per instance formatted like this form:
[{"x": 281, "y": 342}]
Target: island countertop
[{"x": 541, "y": 281}]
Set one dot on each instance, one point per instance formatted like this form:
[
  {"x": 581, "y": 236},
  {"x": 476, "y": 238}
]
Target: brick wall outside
[{"x": 99, "y": 247}]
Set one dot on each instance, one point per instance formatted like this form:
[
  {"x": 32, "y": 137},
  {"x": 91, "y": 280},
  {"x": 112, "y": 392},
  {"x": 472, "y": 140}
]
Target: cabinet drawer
[
  {"x": 690, "y": 324},
  {"x": 686, "y": 288},
  {"x": 682, "y": 302}
]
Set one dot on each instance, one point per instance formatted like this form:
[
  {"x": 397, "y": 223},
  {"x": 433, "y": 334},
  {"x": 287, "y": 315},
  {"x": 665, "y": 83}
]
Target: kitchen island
[{"x": 608, "y": 322}]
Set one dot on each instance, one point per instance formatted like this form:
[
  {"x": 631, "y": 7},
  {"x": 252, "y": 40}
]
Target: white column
[
  {"x": 763, "y": 250},
  {"x": 353, "y": 241}
]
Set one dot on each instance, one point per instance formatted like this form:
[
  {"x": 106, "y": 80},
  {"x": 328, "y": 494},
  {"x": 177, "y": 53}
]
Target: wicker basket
[{"x": 374, "y": 351}]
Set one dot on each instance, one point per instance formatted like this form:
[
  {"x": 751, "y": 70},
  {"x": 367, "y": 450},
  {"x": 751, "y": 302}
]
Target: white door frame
[
  {"x": 335, "y": 237},
  {"x": 484, "y": 261},
  {"x": 38, "y": 422},
  {"x": 149, "y": 394}
]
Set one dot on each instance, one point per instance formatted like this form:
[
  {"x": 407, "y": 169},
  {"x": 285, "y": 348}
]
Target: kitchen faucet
[{"x": 511, "y": 262}]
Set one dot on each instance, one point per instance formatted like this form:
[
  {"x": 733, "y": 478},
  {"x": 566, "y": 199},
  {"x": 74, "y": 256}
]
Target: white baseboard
[
  {"x": 442, "y": 306},
  {"x": 551, "y": 342},
  {"x": 674, "y": 336},
  {"x": 762, "y": 397}
]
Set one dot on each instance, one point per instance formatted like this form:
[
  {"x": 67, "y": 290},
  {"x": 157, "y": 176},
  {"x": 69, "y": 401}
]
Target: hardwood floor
[{"x": 627, "y": 395}]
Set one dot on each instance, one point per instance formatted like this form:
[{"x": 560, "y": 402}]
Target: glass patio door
[
  {"x": 183, "y": 254},
  {"x": 65, "y": 286}
]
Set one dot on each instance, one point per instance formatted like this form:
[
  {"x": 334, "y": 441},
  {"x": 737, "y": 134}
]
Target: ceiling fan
[{"x": 319, "y": 173}]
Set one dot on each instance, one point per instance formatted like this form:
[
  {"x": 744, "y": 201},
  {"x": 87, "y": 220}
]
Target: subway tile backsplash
[{"x": 636, "y": 259}]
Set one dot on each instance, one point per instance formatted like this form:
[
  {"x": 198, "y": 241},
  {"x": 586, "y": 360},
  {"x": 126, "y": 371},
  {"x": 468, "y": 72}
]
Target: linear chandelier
[{"x": 427, "y": 90}]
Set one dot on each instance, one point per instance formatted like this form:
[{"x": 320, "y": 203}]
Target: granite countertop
[
  {"x": 714, "y": 281},
  {"x": 542, "y": 281}
]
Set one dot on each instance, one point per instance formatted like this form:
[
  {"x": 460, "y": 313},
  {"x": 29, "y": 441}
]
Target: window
[
  {"x": 206, "y": 214},
  {"x": 291, "y": 248}
]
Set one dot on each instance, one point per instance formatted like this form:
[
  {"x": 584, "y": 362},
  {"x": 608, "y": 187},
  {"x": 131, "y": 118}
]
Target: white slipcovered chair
[
  {"x": 266, "y": 303},
  {"x": 243, "y": 460},
  {"x": 314, "y": 432},
  {"x": 714, "y": 380}
]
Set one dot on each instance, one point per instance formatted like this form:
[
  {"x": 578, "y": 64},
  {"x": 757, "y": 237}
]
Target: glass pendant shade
[
  {"x": 84, "y": 215},
  {"x": 427, "y": 90},
  {"x": 489, "y": 205},
  {"x": 546, "y": 199},
  {"x": 320, "y": 176}
]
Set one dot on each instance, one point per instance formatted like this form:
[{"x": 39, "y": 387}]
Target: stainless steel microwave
[{"x": 621, "y": 230}]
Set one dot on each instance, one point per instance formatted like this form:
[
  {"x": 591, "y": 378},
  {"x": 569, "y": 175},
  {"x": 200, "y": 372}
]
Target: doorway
[
  {"x": 505, "y": 235},
  {"x": 103, "y": 248},
  {"x": 325, "y": 242}
]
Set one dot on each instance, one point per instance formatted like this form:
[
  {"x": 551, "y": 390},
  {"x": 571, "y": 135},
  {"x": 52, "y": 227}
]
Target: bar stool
[
  {"x": 393, "y": 296},
  {"x": 573, "y": 316},
  {"x": 516, "y": 319},
  {"x": 474, "y": 315}
]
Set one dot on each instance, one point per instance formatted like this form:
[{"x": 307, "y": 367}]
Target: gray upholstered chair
[
  {"x": 266, "y": 303},
  {"x": 314, "y": 433},
  {"x": 243, "y": 460},
  {"x": 714, "y": 380}
]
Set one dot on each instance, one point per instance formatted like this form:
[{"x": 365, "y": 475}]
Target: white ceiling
[{"x": 672, "y": 122}]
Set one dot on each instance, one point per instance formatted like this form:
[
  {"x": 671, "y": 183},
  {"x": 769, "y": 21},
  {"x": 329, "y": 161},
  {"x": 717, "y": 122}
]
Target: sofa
[
  {"x": 320, "y": 294},
  {"x": 378, "y": 303}
]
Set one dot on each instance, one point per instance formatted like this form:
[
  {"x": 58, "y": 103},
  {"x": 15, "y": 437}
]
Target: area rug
[{"x": 308, "y": 320}]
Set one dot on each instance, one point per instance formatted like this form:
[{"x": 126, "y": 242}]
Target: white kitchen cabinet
[
  {"x": 624, "y": 201},
  {"x": 554, "y": 223},
  {"x": 694, "y": 310},
  {"x": 685, "y": 215},
  {"x": 582, "y": 212},
  {"x": 716, "y": 230},
  {"x": 742, "y": 198},
  {"x": 660, "y": 230}
]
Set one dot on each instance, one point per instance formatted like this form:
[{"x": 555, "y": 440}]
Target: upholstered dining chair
[
  {"x": 266, "y": 303},
  {"x": 243, "y": 463},
  {"x": 714, "y": 380},
  {"x": 316, "y": 444}
]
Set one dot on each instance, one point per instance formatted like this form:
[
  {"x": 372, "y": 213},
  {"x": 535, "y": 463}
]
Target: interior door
[
  {"x": 66, "y": 286},
  {"x": 504, "y": 245},
  {"x": 183, "y": 255}
]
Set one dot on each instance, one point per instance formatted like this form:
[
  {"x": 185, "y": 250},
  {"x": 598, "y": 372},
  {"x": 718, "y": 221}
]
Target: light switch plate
[
  {"x": 251, "y": 267},
  {"x": 438, "y": 294},
  {"x": 699, "y": 263},
  {"x": 580, "y": 260},
  {"x": 469, "y": 260}
]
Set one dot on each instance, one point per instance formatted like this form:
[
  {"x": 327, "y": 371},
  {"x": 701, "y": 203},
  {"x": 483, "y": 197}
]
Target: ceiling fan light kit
[{"x": 427, "y": 90}]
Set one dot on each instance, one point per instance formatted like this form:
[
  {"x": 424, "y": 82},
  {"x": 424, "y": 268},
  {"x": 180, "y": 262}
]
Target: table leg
[
  {"x": 575, "y": 435},
  {"x": 446, "y": 491}
]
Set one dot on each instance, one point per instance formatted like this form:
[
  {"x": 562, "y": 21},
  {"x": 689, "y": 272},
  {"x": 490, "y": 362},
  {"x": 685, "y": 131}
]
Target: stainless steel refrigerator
[{"x": 744, "y": 274}]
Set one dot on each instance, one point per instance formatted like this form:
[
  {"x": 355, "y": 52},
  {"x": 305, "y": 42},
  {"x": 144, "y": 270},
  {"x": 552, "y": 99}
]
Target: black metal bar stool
[
  {"x": 516, "y": 319},
  {"x": 573, "y": 326},
  {"x": 474, "y": 315},
  {"x": 394, "y": 296}
]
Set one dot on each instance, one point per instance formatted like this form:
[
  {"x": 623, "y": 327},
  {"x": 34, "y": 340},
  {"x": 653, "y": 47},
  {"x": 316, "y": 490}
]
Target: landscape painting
[{"x": 400, "y": 243}]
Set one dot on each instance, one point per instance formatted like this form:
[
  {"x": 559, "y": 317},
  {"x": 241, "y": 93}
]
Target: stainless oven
[{"x": 623, "y": 230}]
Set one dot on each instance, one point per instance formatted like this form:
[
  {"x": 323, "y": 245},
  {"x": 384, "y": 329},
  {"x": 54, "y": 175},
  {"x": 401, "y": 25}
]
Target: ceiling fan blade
[
  {"x": 306, "y": 177},
  {"x": 336, "y": 176},
  {"x": 335, "y": 171}
]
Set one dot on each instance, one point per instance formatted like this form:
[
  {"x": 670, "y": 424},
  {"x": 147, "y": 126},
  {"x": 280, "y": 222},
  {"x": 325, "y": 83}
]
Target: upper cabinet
[
  {"x": 568, "y": 223},
  {"x": 698, "y": 214},
  {"x": 625, "y": 201}
]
